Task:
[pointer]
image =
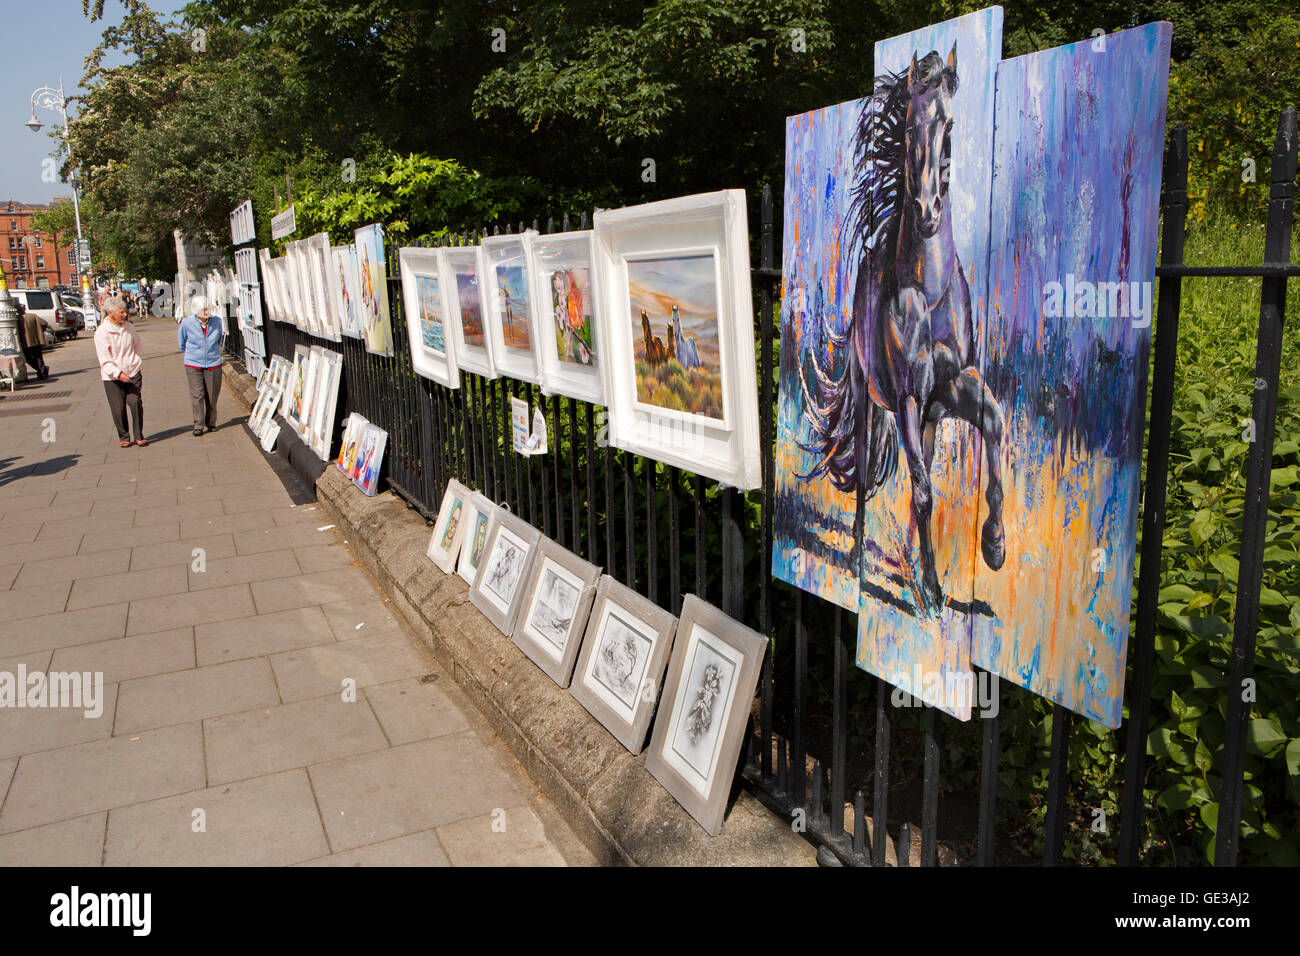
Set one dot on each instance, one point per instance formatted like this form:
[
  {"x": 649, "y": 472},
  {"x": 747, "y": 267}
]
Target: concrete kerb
[{"x": 604, "y": 793}]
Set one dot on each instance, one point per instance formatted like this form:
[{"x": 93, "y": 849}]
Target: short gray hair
[
  {"x": 113, "y": 303},
  {"x": 198, "y": 304}
]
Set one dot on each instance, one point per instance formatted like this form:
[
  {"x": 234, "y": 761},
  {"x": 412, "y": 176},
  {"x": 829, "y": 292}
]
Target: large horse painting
[
  {"x": 1075, "y": 211},
  {"x": 885, "y": 422}
]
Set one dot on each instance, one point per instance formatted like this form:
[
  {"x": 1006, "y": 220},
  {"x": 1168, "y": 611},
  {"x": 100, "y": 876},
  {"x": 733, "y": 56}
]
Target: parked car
[
  {"x": 48, "y": 306},
  {"x": 85, "y": 318}
]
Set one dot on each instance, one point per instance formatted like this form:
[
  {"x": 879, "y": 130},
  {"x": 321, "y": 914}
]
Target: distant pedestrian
[
  {"x": 199, "y": 337},
  {"x": 30, "y": 340},
  {"x": 117, "y": 345}
]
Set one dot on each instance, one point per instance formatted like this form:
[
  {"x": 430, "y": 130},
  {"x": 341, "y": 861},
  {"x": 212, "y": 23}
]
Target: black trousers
[
  {"x": 124, "y": 396},
  {"x": 35, "y": 360}
]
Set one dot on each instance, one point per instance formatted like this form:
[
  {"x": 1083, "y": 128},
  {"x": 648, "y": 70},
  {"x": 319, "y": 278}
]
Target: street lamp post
[{"x": 48, "y": 98}]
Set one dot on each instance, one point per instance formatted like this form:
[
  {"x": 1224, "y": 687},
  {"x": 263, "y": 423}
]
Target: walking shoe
[{"x": 198, "y": 432}]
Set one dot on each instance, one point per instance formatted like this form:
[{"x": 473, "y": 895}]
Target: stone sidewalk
[{"x": 227, "y": 734}]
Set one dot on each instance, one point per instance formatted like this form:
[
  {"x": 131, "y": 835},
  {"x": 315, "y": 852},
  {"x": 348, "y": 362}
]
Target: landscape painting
[
  {"x": 431, "y": 325},
  {"x": 512, "y": 300},
  {"x": 879, "y": 430},
  {"x": 1076, "y": 194},
  {"x": 571, "y": 302},
  {"x": 673, "y": 304}
]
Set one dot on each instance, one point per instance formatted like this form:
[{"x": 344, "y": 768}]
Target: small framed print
[
  {"x": 344, "y": 282},
  {"x": 707, "y": 700},
  {"x": 319, "y": 259},
  {"x": 503, "y": 568},
  {"x": 478, "y": 518},
  {"x": 568, "y": 315},
  {"x": 461, "y": 277},
  {"x": 622, "y": 662},
  {"x": 680, "y": 377},
  {"x": 553, "y": 616},
  {"x": 296, "y": 394},
  {"x": 449, "y": 529},
  {"x": 507, "y": 298},
  {"x": 264, "y": 409},
  {"x": 432, "y": 350},
  {"x": 373, "y": 289},
  {"x": 350, "y": 451},
  {"x": 369, "y": 458}
]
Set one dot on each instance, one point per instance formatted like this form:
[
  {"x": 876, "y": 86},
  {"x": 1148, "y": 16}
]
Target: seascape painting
[
  {"x": 673, "y": 304},
  {"x": 431, "y": 325},
  {"x": 621, "y": 657},
  {"x": 571, "y": 304},
  {"x": 1076, "y": 191},
  {"x": 512, "y": 302},
  {"x": 881, "y": 414}
]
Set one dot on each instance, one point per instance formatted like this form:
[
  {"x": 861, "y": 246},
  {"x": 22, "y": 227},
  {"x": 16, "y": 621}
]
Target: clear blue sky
[{"x": 43, "y": 39}]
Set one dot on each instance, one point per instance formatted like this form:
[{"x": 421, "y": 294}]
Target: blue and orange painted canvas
[
  {"x": 878, "y": 456},
  {"x": 1076, "y": 191}
]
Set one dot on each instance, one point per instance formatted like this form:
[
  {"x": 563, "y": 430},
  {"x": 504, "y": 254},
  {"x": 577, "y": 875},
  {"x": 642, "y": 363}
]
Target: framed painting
[
  {"x": 1076, "y": 202},
  {"x": 373, "y": 290},
  {"x": 343, "y": 280},
  {"x": 264, "y": 409},
  {"x": 294, "y": 396},
  {"x": 301, "y": 255},
  {"x": 449, "y": 529},
  {"x": 461, "y": 275},
  {"x": 568, "y": 320},
  {"x": 553, "y": 616},
  {"x": 503, "y": 568},
  {"x": 369, "y": 458},
  {"x": 707, "y": 698},
  {"x": 478, "y": 517},
  {"x": 507, "y": 298},
  {"x": 321, "y": 425},
  {"x": 318, "y": 257},
  {"x": 350, "y": 450},
  {"x": 680, "y": 379},
  {"x": 432, "y": 351},
  {"x": 621, "y": 664}
]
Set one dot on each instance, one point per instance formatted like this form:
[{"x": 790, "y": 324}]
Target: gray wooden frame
[
  {"x": 707, "y": 809},
  {"x": 446, "y": 560},
  {"x": 631, "y": 734},
  {"x": 561, "y": 670},
  {"x": 504, "y": 620}
]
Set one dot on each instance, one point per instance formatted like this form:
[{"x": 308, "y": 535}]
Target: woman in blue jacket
[{"x": 200, "y": 341}]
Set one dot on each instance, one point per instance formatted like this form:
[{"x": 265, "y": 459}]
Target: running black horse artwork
[{"x": 910, "y": 354}]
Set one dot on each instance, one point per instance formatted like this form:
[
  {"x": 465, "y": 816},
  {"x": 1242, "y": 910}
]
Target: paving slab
[
  {"x": 406, "y": 789},
  {"x": 65, "y": 629},
  {"x": 415, "y": 849},
  {"x": 320, "y": 587},
  {"x": 183, "y": 696},
  {"x": 115, "y": 772},
  {"x": 19, "y": 603},
  {"x": 269, "y": 821},
  {"x": 68, "y": 567},
  {"x": 510, "y": 837},
  {"x": 181, "y": 553},
  {"x": 412, "y": 709},
  {"x": 28, "y": 730},
  {"x": 320, "y": 670},
  {"x": 360, "y": 616},
  {"x": 131, "y": 537},
  {"x": 220, "y": 572},
  {"x": 289, "y": 735},
  {"x": 128, "y": 586},
  {"x": 129, "y": 657},
  {"x": 78, "y": 843},
  {"x": 261, "y": 635},
  {"x": 190, "y": 608}
]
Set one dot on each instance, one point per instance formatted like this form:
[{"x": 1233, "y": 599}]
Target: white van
[{"x": 48, "y": 305}]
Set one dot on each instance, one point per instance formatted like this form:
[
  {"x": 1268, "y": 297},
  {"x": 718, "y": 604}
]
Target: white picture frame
[
  {"x": 478, "y": 519},
  {"x": 694, "y": 251},
  {"x": 295, "y": 394},
  {"x": 621, "y": 665},
  {"x": 498, "y": 589},
  {"x": 707, "y": 699},
  {"x": 449, "y": 528},
  {"x": 425, "y": 303},
  {"x": 318, "y": 258},
  {"x": 350, "y": 448},
  {"x": 506, "y": 291},
  {"x": 343, "y": 287},
  {"x": 553, "y": 616},
  {"x": 462, "y": 272},
  {"x": 264, "y": 408},
  {"x": 568, "y": 258},
  {"x": 325, "y": 402},
  {"x": 370, "y": 459},
  {"x": 372, "y": 290}
]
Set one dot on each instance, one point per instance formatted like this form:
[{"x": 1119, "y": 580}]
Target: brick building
[{"x": 31, "y": 260}]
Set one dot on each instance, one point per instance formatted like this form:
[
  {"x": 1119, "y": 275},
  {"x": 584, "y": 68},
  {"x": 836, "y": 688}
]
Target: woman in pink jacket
[{"x": 117, "y": 344}]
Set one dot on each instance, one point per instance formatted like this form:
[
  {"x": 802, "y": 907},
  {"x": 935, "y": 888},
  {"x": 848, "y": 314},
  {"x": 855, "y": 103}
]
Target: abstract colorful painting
[
  {"x": 431, "y": 328},
  {"x": 674, "y": 310},
  {"x": 512, "y": 300},
  {"x": 878, "y": 436},
  {"x": 374, "y": 290},
  {"x": 1076, "y": 192},
  {"x": 571, "y": 304},
  {"x": 471, "y": 311}
]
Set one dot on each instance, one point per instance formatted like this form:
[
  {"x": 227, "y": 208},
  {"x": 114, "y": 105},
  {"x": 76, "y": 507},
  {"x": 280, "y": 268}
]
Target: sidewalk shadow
[
  {"x": 170, "y": 433},
  {"x": 50, "y": 467}
]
